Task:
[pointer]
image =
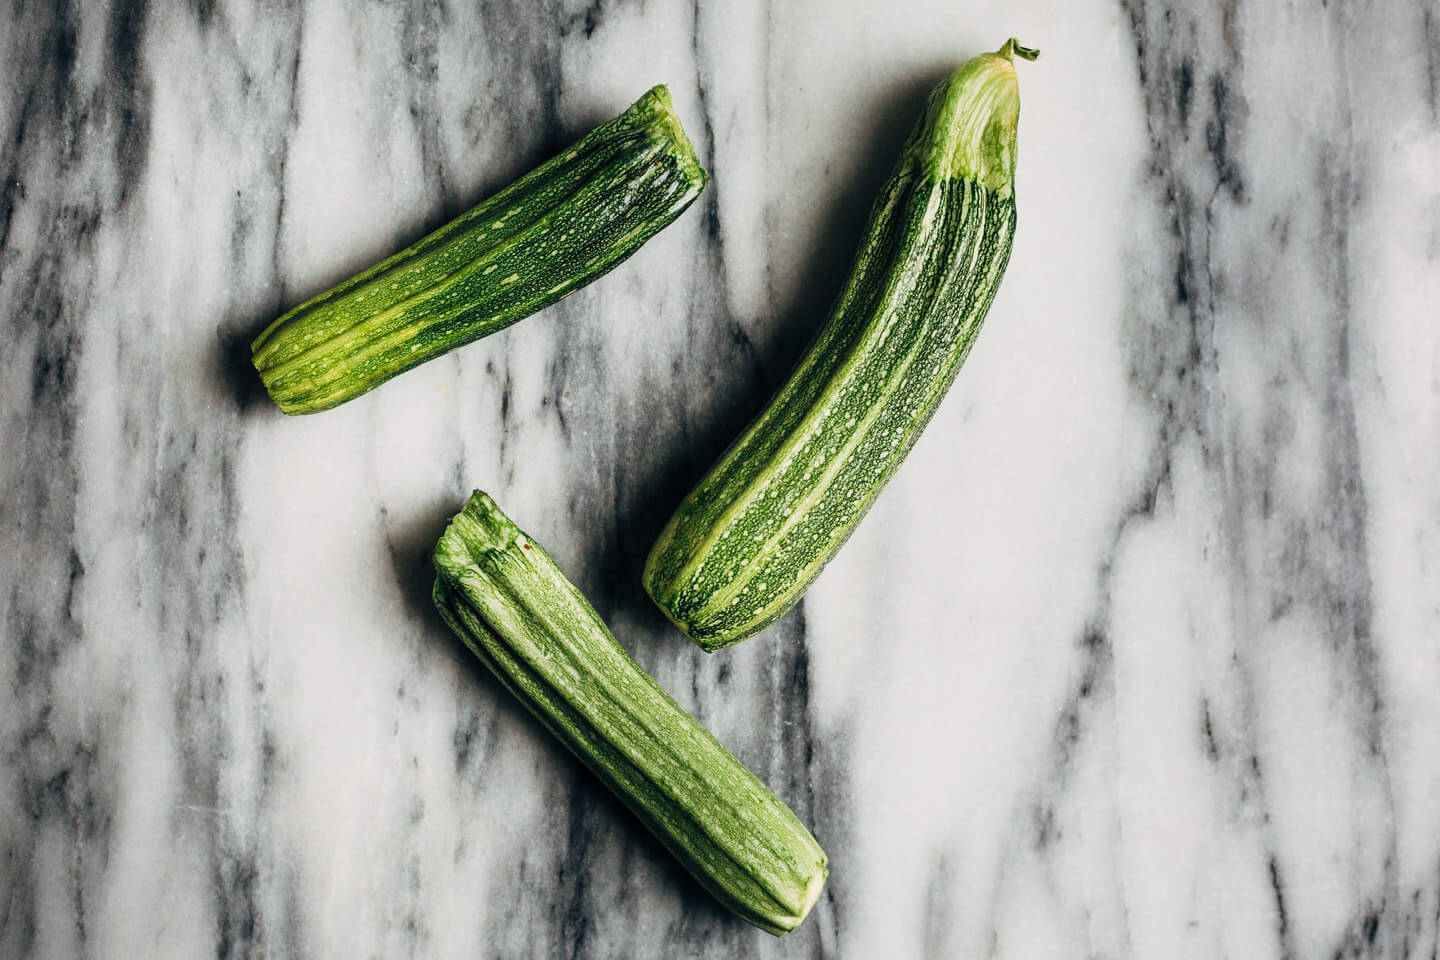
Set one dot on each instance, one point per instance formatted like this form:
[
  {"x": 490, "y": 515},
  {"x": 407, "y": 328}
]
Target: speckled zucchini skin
[
  {"x": 746, "y": 543},
  {"x": 549, "y": 233},
  {"x": 506, "y": 599}
]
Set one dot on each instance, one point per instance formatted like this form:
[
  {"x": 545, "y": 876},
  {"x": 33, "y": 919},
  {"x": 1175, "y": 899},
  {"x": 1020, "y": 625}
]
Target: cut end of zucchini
[
  {"x": 812, "y": 894},
  {"x": 479, "y": 529},
  {"x": 786, "y": 911},
  {"x": 971, "y": 120},
  {"x": 657, "y": 112}
]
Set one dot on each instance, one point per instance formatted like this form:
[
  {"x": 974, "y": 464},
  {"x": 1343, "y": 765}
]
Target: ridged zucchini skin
[
  {"x": 567, "y": 222},
  {"x": 746, "y": 543},
  {"x": 511, "y": 605}
]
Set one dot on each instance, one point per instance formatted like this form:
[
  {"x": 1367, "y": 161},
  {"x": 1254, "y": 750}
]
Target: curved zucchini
[
  {"x": 746, "y": 543},
  {"x": 506, "y": 599},
  {"x": 546, "y": 235}
]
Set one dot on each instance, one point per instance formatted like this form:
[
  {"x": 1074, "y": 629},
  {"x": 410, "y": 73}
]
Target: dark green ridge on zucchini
[
  {"x": 511, "y": 605},
  {"x": 758, "y": 529},
  {"x": 556, "y": 229}
]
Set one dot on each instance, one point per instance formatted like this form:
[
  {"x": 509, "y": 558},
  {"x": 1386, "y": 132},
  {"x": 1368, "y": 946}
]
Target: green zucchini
[
  {"x": 506, "y": 599},
  {"x": 746, "y": 543},
  {"x": 544, "y": 236}
]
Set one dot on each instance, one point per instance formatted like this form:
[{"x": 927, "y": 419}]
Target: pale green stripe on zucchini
[
  {"x": 564, "y": 224},
  {"x": 746, "y": 543},
  {"x": 506, "y": 599}
]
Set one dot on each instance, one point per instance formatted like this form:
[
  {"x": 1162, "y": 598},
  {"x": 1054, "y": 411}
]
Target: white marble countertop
[{"x": 1138, "y": 656}]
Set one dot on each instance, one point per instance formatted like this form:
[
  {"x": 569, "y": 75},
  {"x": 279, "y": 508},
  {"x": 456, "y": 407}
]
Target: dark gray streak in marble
[
  {"x": 127, "y": 80},
  {"x": 1429, "y": 35},
  {"x": 1285, "y": 555},
  {"x": 939, "y": 919},
  {"x": 269, "y": 79},
  {"x": 83, "y": 138},
  {"x": 228, "y": 752},
  {"x": 421, "y": 25},
  {"x": 1084, "y": 721}
]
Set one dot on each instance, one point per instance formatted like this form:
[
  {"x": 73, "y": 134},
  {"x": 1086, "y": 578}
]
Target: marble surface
[{"x": 1139, "y": 655}]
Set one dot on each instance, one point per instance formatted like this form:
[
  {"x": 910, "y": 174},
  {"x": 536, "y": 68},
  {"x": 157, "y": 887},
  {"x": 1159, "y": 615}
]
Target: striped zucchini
[
  {"x": 746, "y": 543},
  {"x": 506, "y": 599},
  {"x": 546, "y": 235}
]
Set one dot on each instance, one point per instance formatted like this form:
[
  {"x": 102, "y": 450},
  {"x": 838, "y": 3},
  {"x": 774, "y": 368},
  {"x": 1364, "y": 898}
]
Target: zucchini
[
  {"x": 746, "y": 543},
  {"x": 506, "y": 599},
  {"x": 544, "y": 236}
]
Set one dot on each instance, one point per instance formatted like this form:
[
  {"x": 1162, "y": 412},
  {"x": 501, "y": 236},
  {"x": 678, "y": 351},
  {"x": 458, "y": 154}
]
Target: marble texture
[{"x": 1139, "y": 655}]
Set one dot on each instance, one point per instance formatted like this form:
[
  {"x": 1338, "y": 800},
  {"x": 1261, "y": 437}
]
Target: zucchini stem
[{"x": 1012, "y": 49}]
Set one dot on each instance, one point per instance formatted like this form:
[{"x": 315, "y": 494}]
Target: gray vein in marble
[{"x": 63, "y": 775}]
